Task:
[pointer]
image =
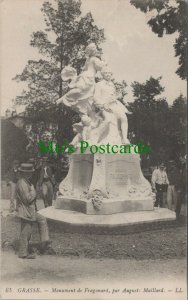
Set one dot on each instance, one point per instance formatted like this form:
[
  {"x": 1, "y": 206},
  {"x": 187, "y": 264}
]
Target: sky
[{"x": 132, "y": 51}]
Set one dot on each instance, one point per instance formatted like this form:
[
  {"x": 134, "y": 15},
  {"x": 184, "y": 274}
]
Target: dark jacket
[
  {"x": 35, "y": 177},
  {"x": 46, "y": 174},
  {"x": 174, "y": 177}
]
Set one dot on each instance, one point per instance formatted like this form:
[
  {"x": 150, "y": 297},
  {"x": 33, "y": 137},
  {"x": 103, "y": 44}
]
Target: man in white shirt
[{"x": 160, "y": 183}]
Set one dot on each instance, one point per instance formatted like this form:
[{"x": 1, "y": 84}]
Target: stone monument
[{"x": 100, "y": 184}]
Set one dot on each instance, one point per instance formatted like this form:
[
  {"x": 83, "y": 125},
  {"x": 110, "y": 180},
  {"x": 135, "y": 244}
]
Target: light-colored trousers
[{"x": 26, "y": 232}]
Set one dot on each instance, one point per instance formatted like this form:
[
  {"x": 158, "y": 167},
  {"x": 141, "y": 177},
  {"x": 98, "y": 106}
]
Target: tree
[
  {"x": 63, "y": 42},
  {"x": 148, "y": 121},
  {"x": 156, "y": 123},
  {"x": 14, "y": 142},
  {"x": 170, "y": 17},
  {"x": 177, "y": 128}
]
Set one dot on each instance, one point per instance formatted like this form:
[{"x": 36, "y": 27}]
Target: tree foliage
[
  {"x": 63, "y": 42},
  {"x": 13, "y": 142},
  {"x": 155, "y": 123},
  {"x": 177, "y": 127},
  {"x": 170, "y": 17}
]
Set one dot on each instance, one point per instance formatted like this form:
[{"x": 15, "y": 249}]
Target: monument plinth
[{"x": 105, "y": 184}]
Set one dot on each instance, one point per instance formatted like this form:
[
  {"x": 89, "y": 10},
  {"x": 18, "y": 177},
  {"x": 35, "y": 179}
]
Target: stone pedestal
[
  {"x": 120, "y": 223},
  {"x": 108, "y": 207},
  {"x": 105, "y": 184},
  {"x": 106, "y": 193}
]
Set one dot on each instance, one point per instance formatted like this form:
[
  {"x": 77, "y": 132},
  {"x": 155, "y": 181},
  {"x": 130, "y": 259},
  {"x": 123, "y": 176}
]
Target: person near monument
[
  {"x": 12, "y": 179},
  {"x": 173, "y": 176},
  {"x": 174, "y": 191},
  {"x": 105, "y": 99},
  {"x": 46, "y": 182},
  {"x": 183, "y": 174},
  {"x": 82, "y": 87},
  {"x": 160, "y": 184},
  {"x": 27, "y": 212}
]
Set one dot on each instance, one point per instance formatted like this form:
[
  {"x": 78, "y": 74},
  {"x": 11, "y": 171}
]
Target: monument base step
[
  {"x": 109, "y": 206},
  {"x": 116, "y": 223}
]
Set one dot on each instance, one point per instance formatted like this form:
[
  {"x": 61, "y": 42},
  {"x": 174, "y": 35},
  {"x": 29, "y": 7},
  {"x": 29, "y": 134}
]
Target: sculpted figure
[
  {"x": 82, "y": 130},
  {"x": 86, "y": 130},
  {"x": 80, "y": 96},
  {"x": 105, "y": 100}
]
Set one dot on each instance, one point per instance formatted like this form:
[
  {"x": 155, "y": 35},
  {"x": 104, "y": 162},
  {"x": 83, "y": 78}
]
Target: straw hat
[{"x": 26, "y": 167}]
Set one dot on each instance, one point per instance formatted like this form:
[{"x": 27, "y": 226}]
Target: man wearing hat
[
  {"x": 12, "y": 178},
  {"x": 159, "y": 183},
  {"x": 26, "y": 199}
]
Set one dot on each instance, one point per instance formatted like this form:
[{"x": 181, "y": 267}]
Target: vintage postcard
[{"x": 93, "y": 149}]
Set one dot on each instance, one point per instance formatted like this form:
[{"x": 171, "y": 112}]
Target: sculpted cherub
[
  {"x": 80, "y": 96},
  {"x": 87, "y": 129},
  {"x": 83, "y": 130},
  {"x": 105, "y": 100}
]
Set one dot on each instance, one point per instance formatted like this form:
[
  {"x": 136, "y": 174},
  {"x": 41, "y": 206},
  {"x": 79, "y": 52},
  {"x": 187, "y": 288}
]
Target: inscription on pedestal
[
  {"x": 119, "y": 178},
  {"x": 82, "y": 171},
  {"x": 122, "y": 171}
]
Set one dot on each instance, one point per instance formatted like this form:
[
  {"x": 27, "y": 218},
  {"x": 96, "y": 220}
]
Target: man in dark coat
[
  {"x": 27, "y": 212},
  {"x": 175, "y": 189},
  {"x": 46, "y": 182}
]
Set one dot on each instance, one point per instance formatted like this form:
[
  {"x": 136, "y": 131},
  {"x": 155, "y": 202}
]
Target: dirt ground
[
  {"x": 155, "y": 258},
  {"x": 163, "y": 243},
  {"x": 65, "y": 269}
]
